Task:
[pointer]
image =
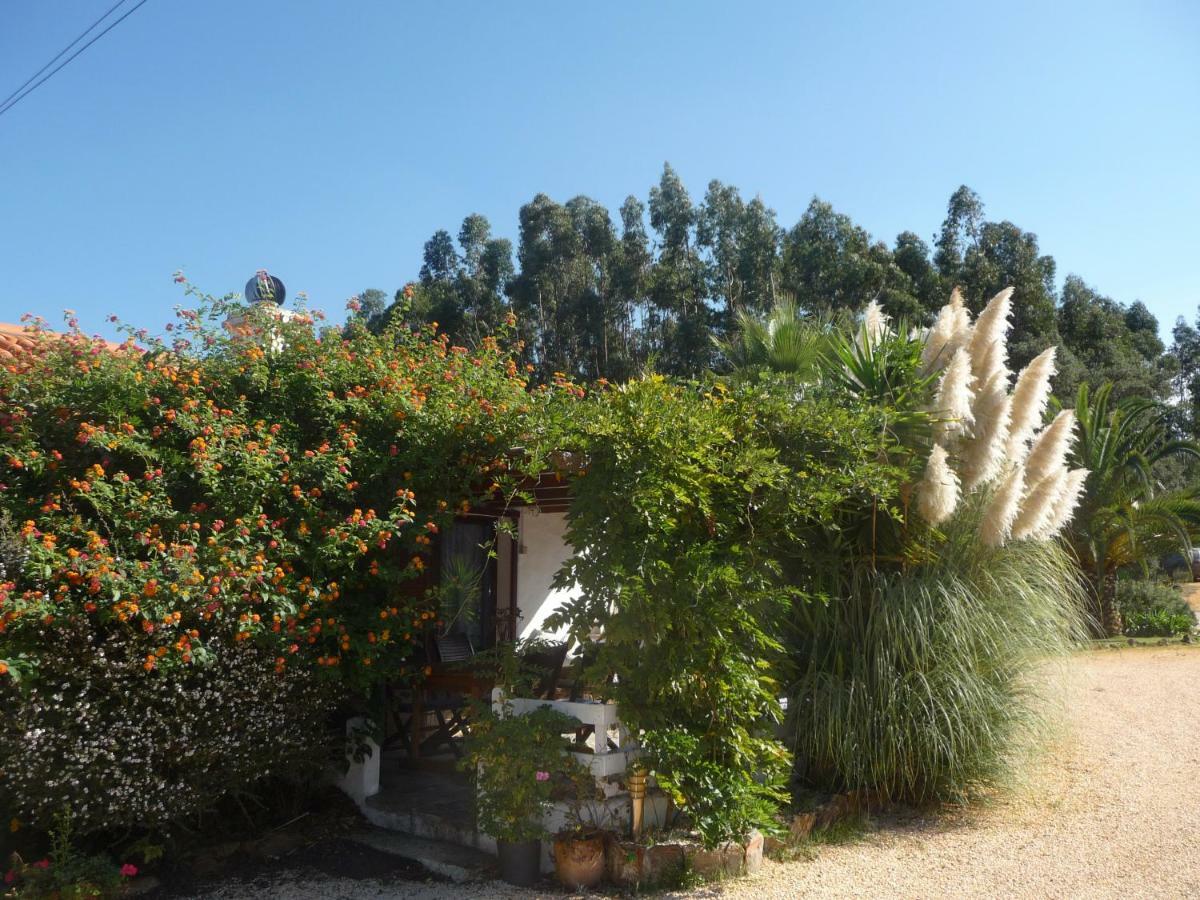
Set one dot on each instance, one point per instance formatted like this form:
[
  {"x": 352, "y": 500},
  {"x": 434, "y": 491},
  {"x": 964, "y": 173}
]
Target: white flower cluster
[
  {"x": 988, "y": 437},
  {"x": 122, "y": 748}
]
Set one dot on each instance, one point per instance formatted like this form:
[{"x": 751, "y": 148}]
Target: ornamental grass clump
[
  {"x": 918, "y": 668},
  {"x": 925, "y": 684}
]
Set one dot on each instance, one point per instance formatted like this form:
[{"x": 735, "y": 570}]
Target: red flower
[{"x": 129, "y": 870}]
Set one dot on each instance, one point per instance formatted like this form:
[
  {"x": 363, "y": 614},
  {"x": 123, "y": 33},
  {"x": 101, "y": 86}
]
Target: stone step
[{"x": 457, "y": 863}]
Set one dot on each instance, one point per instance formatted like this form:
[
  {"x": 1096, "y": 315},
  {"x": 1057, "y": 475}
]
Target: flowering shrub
[
  {"x": 204, "y": 524},
  {"x": 120, "y": 747},
  {"x": 66, "y": 874}
]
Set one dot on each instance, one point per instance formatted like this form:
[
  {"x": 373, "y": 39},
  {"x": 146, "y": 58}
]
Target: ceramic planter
[{"x": 579, "y": 860}]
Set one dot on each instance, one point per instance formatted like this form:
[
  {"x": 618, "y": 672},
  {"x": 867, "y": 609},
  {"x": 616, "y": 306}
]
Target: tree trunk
[{"x": 1110, "y": 616}]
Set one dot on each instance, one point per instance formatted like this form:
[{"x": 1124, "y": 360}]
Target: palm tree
[
  {"x": 787, "y": 340},
  {"x": 1122, "y": 518}
]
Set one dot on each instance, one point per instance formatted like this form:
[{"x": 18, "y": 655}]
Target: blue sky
[{"x": 326, "y": 141}]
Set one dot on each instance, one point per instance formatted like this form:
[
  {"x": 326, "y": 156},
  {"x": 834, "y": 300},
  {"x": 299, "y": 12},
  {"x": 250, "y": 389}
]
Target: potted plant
[
  {"x": 579, "y": 849},
  {"x": 513, "y": 761}
]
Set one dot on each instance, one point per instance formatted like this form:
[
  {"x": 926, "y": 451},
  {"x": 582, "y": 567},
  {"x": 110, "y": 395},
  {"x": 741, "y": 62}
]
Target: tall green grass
[{"x": 924, "y": 684}]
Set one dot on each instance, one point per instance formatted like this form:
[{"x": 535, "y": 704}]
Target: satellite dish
[{"x": 265, "y": 288}]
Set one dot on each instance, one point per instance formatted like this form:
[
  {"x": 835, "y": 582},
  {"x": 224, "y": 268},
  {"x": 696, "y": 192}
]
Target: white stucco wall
[{"x": 543, "y": 551}]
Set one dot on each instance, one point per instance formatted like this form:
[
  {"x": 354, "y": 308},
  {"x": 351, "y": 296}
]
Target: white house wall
[{"x": 542, "y": 553}]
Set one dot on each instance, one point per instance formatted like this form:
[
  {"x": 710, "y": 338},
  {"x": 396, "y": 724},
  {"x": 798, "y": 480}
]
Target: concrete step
[{"x": 457, "y": 863}]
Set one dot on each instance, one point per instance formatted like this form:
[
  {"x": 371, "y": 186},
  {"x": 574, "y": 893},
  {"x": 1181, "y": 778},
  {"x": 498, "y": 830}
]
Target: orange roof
[{"x": 17, "y": 341}]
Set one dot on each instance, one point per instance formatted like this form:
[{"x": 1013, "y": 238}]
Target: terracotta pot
[
  {"x": 579, "y": 861},
  {"x": 520, "y": 864}
]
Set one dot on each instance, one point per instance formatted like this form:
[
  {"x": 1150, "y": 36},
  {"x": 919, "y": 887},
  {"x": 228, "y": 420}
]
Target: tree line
[{"x": 663, "y": 282}]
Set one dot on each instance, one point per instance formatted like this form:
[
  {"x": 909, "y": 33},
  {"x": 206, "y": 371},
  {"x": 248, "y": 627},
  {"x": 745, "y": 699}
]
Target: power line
[
  {"x": 14, "y": 100},
  {"x": 61, "y": 52}
]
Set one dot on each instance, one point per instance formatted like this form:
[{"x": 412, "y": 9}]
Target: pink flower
[
  {"x": 543, "y": 776},
  {"x": 128, "y": 870}
]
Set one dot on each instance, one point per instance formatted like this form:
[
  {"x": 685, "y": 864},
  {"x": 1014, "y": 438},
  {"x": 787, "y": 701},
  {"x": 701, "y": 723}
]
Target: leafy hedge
[
  {"x": 219, "y": 512},
  {"x": 1151, "y": 609},
  {"x": 697, "y": 500}
]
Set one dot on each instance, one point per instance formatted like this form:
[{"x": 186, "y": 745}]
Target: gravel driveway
[{"x": 1110, "y": 812}]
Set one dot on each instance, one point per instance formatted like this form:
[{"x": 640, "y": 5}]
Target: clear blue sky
[{"x": 326, "y": 141}]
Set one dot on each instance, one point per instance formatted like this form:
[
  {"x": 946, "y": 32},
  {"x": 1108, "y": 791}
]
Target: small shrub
[
  {"x": 515, "y": 762},
  {"x": 1157, "y": 623},
  {"x": 67, "y": 873},
  {"x": 1150, "y": 609}
]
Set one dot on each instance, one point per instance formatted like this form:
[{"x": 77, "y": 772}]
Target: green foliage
[
  {"x": 1123, "y": 518},
  {"x": 784, "y": 341},
  {"x": 515, "y": 763},
  {"x": 696, "y": 501},
  {"x": 1104, "y": 341},
  {"x": 917, "y": 683},
  {"x": 67, "y": 873},
  {"x": 1158, "y": 623},
  {"x": 722, "y": 801},
  {"x": 258, "y": 508},
  {"x": 602, "y": 300},
  {"x": 1151, "y": 609}
]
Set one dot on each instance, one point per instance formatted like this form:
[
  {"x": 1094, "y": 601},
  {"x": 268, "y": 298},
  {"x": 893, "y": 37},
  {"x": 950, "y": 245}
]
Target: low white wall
[{"x": 543, "y": 550}]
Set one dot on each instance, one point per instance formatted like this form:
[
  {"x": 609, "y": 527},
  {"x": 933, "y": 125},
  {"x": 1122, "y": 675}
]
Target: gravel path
[{"x": 1110, "y": 812}]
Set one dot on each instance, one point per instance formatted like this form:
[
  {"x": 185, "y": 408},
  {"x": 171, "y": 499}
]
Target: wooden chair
[{"x": 547, "y": 660}]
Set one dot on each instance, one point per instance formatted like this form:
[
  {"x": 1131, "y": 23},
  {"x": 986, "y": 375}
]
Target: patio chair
[
  {"x": 447, "y": 702},
  {"x": 547, "y": 660}
]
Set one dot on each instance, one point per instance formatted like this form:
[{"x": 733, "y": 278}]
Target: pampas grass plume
[
  {"x": 1001, "y": 510},
  {"x": 987, "y": 346},
  {"x": 951, "y": 330},
  {"x": 1050, "y": 447},
  {"x": 983, "y": 454},
  {"x": 1030, "y": 395},
  {"x": 937, "y": 493},
  {"x": 1038, "y": 505},
  {"x": 954, "y": 398},
  {"x": 875, "y": 324},
  {"x": 1068, "y": 501}
]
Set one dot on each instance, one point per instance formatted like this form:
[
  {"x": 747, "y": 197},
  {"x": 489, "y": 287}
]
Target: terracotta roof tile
[{"x": 16, "y": 341}]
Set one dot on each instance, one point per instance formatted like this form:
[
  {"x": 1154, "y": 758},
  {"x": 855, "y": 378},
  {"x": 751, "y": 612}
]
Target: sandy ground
[{"x": 1110, "y": 811}]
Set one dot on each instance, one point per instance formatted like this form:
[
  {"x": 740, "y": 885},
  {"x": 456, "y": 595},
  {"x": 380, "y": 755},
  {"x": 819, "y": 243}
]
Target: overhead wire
[{"x": 26, "y": 89}]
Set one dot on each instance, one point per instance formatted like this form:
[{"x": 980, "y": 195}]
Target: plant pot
[
  {"x": 520, "y": 863},
  {"x": 579, "y": 860}
]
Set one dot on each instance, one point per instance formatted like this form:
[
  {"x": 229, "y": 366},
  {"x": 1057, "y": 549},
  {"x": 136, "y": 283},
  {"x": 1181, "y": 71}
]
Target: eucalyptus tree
[
  {"x": 1104, "y": 341},
  {"x": 830, "y": 263},
  {"x": 742, "y": 244},
  {"x": 678, "y": 290}
]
